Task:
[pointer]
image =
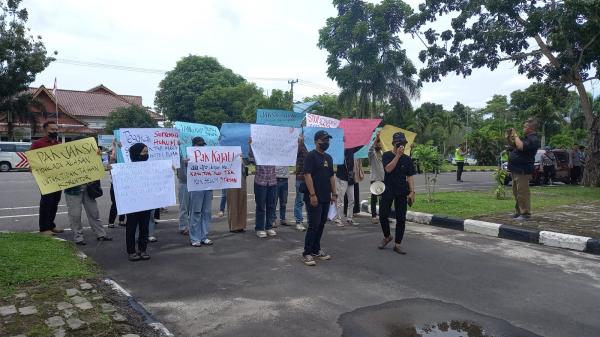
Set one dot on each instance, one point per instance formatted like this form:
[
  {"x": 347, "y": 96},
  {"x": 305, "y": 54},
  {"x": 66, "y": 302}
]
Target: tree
[
  {"x": 462, "y": 112},
  {"x": 182, "y": 86},
  {"x": 498, "y": 107},
  {"x": 130, "y": 117},
  {"x": 365, "y": 54},
  {"x": 21, "y": 57},
  {"x": 446, "y": 124},
  {"x": 486, "y": 32},
  {"x": 218, "y": 105},
  {"x": 329, "y": 105},
  {"x": 430, "y": 161},
  {"x": 277, "y": 100}
]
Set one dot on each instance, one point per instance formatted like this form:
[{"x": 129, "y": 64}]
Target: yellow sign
[
  {"x": 65, "y": 165},
  {"x": 386, "y": 138}
]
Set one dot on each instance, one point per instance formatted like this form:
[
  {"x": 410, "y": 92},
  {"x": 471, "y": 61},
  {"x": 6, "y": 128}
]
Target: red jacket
[{"x": 43, "y": 142}]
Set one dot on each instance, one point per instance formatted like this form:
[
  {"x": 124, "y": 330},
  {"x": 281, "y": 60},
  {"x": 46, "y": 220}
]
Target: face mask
[
  {"x": 324, "y": 146},
  {"x": 144, "y": 157},
  {"x": 53, "y": 135}
]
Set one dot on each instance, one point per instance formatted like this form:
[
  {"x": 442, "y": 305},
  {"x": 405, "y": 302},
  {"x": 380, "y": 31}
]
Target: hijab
[{"x": 135, "y": 152}]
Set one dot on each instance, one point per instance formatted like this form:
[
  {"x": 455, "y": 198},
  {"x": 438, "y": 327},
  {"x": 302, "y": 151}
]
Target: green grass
[
  {"x": 27, "y": 258},
  {"x": 476, "y": 203}
]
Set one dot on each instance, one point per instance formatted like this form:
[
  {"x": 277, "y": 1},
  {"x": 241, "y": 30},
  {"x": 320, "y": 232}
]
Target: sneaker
[
  {"x": 284, "y": 223},
  {"x": 338, "y": 222},
  {"x": 322, "y": 256},
  {"x": 523, "y": 217},
  {"x": 152, "y": 239},
  {"x": 221, "y": 214},
  {"x": 261, "y": 234},
  {"x": 308, "y": 260},
  {"x": 57, "y": 230},
  {"x": 275, "y": 223},
  {"x": 300, "y": 227},
  {"x": 134, "y": 257},
  {"x": 375, "y": 221},
  {"x": 271, "y": 232},
  {"x": 196, "y": 244},
  {"x": 144, "y": 256},
  {"x": 398, "y": 250},
  {"x": 355, "y": 214},
  {"x": 47, "y": 233},
  {"x": 351, "y": 222},
  {"x": 385, "y": 242},
  {"x": 207, "y": 242},
  {"x": 111, "y": 225},
  {"x": 516, "y": 215}
]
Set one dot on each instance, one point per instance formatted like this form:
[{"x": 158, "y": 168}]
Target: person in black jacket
[{"x": 521, "y": 161}]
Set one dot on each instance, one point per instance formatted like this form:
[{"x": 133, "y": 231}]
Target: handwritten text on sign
[
  {"x": 66, "y": 165},
  {"x": 187, "y": 131},
  {"x": 321, "y": 121},
  {"x": 214, "y": 167},
  {"x": 143, "y": 185},
  {"x": 279, "y": 118},
  {"x": 274, "y": 145},
  {"x": 163, "y": 144}
]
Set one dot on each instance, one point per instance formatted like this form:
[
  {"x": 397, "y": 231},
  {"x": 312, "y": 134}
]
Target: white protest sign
[
  {"x": 143, "y": 185},
  {"x": 214, "y": 167},
  {"x": 274, "y": 145},
  {"x": 321, "y": 121},
  {"x": 163, "y": 144}
]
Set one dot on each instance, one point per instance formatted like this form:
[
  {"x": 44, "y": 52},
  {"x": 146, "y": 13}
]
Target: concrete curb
[{"x": 546, "y": 238}]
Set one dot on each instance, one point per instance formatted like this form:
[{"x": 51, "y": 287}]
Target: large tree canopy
[
  {"x": 21, "y": 57},
  {"x": 365, "y": 54},
  {"x": 552, "y": 40},
  {"x": 192, "y": 77},
  {"x": 130, "y": 117}
]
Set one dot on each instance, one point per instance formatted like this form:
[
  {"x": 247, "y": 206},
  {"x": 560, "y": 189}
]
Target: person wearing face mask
[
  {"x": 48, "y": 202},
  {"x": 137, "y": 152},
  {"x": 521, "y": 162},
  {"x": 200, "y": 210},
  {"x": 319, "y": 192},
  {"x": 399, "y": 190}
]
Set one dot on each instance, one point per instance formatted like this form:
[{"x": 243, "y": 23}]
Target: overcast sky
[{"x": 275, "y": 39}]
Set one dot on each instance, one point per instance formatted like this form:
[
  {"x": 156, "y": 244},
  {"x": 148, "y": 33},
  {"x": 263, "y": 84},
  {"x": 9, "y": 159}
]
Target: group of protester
[{"x": 317, "y": 188}]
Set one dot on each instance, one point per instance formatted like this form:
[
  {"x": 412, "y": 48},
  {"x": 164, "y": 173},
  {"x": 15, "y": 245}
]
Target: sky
[{"x": 265, "y": 41}]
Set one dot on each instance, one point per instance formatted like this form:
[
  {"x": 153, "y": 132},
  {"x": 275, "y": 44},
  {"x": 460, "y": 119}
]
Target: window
[
  {"x": 7, "y": 147},
  {"x": 23, "y": 148}
]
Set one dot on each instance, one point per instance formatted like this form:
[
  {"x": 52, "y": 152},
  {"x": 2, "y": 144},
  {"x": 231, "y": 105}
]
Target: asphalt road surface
[
  {"x": 245, "y": 286},
  {"x": 19, "y": 198}
]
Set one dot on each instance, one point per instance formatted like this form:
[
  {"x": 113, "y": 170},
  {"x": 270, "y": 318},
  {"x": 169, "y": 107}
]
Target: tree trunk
[{"x": 591, "y": 173}]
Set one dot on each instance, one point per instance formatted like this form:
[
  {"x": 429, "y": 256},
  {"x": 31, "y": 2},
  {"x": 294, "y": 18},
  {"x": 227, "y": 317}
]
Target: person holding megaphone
[{"x": 399, "y": 190}]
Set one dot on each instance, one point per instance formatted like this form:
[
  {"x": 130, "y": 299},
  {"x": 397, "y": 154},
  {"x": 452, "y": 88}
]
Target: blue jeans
[
  {"x": 282, "y": 193},
  {"x": 200, "y": 214},
  {"x": 265, "y": 197},
  {"x": 184, "y": 206},
  {"x": 223, "y": 201},
  {"x": 298, "y": 203}
]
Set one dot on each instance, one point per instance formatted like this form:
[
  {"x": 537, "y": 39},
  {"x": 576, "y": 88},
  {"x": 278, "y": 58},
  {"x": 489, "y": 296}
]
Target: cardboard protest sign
[
  {"x": 162, "y": 143},
  {"x": 388, "y": 132},
  {"x": 279, "y": 118},
  {"x": 364, "y": 151},
  {"x": 66, "y": 165},
  {"x": 274, "y": 145},
  {"x": 317, "y": 121},
  {"x": 117, "y": 135},
  {"x": 235, "y": 134},
  {"x": 336, "y": 144},
  {"x": 187, "y": 131},
  {"x": 357, "y": 132},
  {"x": 214, "y": 167},
  {"x": 143, "y": 185}
]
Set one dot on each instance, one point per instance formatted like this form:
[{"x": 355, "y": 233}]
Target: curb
[{"x": 545, "y": 238}]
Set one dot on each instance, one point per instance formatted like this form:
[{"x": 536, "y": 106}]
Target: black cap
[
  {"x": 198, "y": 140},
  {"x": 399, "y": 137},
  {"x": 321, "y": 134}
]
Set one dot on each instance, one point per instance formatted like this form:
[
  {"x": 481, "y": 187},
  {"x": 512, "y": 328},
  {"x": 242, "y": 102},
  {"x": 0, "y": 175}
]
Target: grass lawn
[
  {"x": 474, "y": 203},
  {"x": 31, "y": 258}
]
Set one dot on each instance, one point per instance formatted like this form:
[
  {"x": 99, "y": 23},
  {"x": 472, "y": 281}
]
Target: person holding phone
[{"x": 399, "y": 190}]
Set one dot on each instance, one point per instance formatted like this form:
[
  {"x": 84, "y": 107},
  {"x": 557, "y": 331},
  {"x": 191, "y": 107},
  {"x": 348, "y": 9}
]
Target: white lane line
[
  {"x": 24, "y": 215},
  {"x": 24, "y": 207}
]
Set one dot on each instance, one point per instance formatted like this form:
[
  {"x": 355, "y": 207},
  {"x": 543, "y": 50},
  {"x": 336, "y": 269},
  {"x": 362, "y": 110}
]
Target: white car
[
  {"x": 12, "y": 156},
  {"x": 469, "y": 160}
]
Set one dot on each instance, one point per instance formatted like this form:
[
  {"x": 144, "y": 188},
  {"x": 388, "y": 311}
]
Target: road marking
[
  {"x": 24, "y": 207},
  {"x": 24, "y": 215}
]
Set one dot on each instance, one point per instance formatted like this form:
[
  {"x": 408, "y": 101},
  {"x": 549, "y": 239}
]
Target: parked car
[
  {"x": 12, "y": 156},
  {"x": 562, "y": 168},
  {"x": 469, "y": 160}
]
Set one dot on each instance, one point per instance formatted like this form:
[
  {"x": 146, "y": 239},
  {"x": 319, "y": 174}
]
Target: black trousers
[
  {"x": 356, "y": 208},
  {"x": 549, "y": 174},
  {"x": 385, "y": 207},
  {"x": 112, "y": 215},
  {"x": 48, "y": 208},
  {"x": 460, "y": 166},
  {"x": 576, "y": 174},
  {"x": 317, "y": 217},
  {"x": 135, "y": 220}
]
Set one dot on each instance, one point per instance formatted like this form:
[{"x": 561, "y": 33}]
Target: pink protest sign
[{"x": 357, "y": 132}]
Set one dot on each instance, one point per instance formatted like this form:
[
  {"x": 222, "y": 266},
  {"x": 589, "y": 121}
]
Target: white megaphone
[{"x": 377, "y": 187}]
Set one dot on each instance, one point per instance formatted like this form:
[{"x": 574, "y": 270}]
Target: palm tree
[{"x": 446, "y": 123}]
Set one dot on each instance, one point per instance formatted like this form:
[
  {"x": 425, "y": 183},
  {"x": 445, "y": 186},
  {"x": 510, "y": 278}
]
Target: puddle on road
[{"x": 424, "y": 318}]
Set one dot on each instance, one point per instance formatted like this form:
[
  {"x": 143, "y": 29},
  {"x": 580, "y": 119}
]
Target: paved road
[{"x": 19, "y": 198}]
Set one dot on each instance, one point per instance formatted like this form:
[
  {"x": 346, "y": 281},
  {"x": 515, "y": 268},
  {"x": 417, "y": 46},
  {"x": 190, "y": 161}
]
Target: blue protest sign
[
  {"x": 336, "y": 146},
  {"x": 187, "y": 131},
  {"x": 235, "y": 134},
  {"x": 279, "y": 118},
  {"x": 364, "y": 151}
]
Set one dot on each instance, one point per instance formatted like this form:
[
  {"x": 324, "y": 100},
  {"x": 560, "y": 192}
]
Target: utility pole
[{"x": 291, "y": 83}]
